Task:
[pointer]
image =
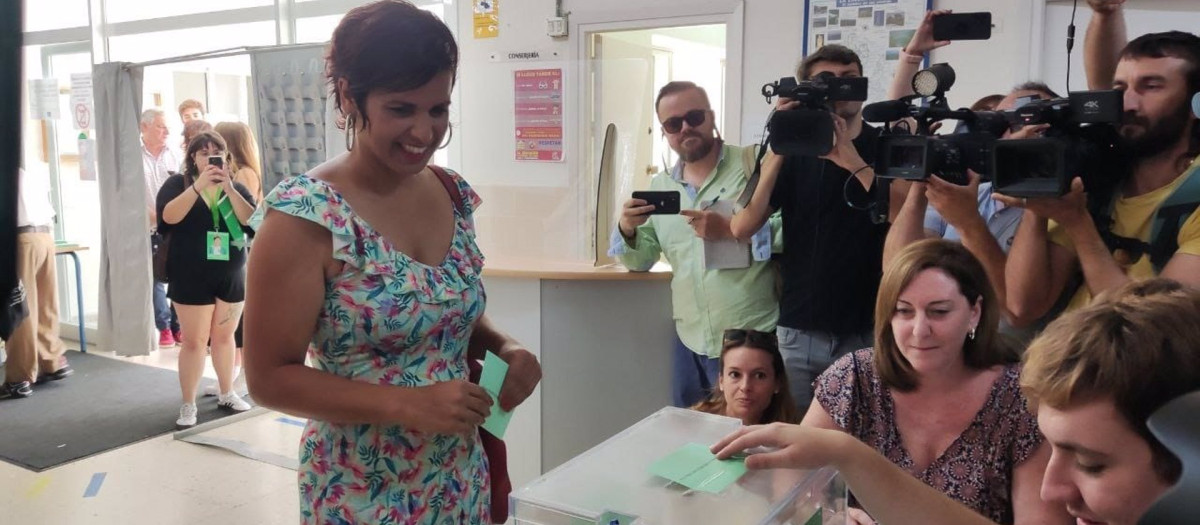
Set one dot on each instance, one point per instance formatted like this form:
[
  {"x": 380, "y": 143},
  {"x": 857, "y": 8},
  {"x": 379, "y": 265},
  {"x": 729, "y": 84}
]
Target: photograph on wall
[
  {"x": 539, "y": 116},
  {"x": 900, "y": 38},
  {"x": 874, "y": 29}
]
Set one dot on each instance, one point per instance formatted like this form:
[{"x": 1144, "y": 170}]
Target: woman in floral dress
[{"x": 369, "y": 265}]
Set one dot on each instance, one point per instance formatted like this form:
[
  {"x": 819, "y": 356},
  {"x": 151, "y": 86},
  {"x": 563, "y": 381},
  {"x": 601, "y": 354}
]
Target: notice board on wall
[
  {"x": 875, "y": 29},
  {"x": 539, "y": 118}
]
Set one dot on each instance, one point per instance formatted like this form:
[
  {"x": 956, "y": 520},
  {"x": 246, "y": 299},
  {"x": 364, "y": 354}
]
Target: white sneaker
[
  {"x": 239, "y": 385},
  {"x": 239, "y": 382},
  {"x": 187, "y": 416},
  {"x": 232, "y": 401}
]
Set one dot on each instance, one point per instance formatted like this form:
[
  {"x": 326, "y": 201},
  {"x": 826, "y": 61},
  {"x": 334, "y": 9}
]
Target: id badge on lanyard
[{"x": 216, "y": 243}]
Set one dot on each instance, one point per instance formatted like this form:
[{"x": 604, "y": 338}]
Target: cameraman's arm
[
  {"x": 1036, "y": 271},
  {"x": 1102, "y": 44},
  {"x": 979, "y": 240},
  {"x": 908, "y": 226},
  {"x": 746, "y": 222}
]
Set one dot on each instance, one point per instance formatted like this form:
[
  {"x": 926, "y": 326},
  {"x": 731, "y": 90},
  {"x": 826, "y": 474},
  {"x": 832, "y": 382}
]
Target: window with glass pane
[
  {"x": 320, "y": 28},
  {"x": 167, "y": 44},
  {"x": 127, "y": 10},
  {"x": 55, "y": 14}
]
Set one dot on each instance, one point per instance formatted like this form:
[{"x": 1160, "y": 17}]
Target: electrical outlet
[{"x": 556, "y": 27}]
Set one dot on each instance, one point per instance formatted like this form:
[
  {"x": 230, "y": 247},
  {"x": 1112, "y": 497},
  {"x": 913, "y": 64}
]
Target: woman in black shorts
[{"x": 205, "y": 213}]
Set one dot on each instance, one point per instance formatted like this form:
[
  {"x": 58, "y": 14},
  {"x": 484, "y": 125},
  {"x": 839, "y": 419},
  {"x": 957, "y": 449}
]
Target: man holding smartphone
[
  {"x": 710, "y": 175},
  {"x": 831, "y": 261}
]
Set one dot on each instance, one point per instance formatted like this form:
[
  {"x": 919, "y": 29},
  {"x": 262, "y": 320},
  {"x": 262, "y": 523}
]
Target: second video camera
[
  {"x": 1080, "y": 141},
  {"x": 808, "y": 130}
]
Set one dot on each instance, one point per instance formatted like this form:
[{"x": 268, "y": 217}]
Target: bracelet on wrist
[
  {"x": 911, "y": 58},
  {"x": 195, "y": 190}
]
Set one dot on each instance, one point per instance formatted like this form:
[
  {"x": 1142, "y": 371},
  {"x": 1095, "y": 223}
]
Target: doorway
[
  {"x": 52, "y": 149},
  {"x": 625, "y": 70}
]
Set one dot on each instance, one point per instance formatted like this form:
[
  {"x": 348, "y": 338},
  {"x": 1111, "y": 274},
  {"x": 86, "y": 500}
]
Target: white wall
[
  {"x": 1145, "y": 16},
  {"x": 540, "y": 210}
]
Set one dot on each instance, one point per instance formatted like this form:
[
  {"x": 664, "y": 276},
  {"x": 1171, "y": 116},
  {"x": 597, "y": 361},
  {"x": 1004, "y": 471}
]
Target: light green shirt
[{"x": 706, "y": 302}]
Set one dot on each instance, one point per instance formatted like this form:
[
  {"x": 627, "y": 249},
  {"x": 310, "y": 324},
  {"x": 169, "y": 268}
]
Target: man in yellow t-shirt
[{"x": 1158, "y": 74}]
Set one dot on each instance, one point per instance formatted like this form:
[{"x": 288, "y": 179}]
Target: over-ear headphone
[{"x": 1196, "y": 105}]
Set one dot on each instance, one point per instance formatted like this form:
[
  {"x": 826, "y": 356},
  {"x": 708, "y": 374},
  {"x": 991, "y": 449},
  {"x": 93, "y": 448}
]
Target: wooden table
[{"x": 72, "y": 249}]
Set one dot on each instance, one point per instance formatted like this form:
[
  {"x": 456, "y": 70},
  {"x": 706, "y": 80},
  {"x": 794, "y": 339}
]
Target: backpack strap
[
  {"x": 451, "y": 188},
  {"x": 1170, "y": 216},
  {"x": 752, "y": 164}
]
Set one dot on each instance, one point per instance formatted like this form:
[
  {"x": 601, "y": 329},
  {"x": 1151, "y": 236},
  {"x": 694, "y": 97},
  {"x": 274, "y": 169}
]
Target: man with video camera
[
  {"x": 832, "y": 253},
  {"x": 1148, "y": 226}
]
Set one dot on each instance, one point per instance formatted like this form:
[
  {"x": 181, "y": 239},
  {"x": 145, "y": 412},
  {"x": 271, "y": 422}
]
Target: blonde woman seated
[
  {"x": 753, "y": 385},
  {"x": 940, "y": 396}
]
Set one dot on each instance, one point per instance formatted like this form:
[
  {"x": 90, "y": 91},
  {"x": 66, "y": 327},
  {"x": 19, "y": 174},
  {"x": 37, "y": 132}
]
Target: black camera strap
[{"x": 752, "y": 162}]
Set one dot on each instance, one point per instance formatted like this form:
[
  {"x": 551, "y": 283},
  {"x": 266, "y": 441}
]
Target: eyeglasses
[
  {"x": 693, "y": 118},
  {"x": 737, "y": 336}
]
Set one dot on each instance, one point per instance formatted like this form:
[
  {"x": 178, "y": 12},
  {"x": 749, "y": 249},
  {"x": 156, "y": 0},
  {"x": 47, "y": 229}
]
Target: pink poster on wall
[{"x": 539, "y": 120}]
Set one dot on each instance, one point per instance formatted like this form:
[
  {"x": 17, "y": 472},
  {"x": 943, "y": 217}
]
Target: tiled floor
[{"x": 162, "y": 481}]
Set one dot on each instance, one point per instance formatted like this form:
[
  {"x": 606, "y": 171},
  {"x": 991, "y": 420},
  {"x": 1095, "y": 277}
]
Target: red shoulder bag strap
[{"x": 451, "y": 187}]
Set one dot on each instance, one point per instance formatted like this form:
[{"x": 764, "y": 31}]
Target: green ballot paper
[
  {"x": 491, "y": 379},
  {"x": 694, "y": 467}
]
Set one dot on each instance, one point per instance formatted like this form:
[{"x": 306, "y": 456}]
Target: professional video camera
[
  {"x": 808, "y": 130},
  {"x": 918, "y": 154},
  {"x": 1081, "y": 141}
]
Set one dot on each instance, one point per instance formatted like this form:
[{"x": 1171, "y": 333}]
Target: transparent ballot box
[{"x": 611, "y": 484}]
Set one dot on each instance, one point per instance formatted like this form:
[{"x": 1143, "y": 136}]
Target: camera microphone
[{"x": 887, "y": 111}]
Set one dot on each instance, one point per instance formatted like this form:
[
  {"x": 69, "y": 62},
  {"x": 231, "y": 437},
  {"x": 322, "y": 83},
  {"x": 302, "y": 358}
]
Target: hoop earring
[
  {"x": 449, "y": 137},
  {"x": 351, "y": 132}
]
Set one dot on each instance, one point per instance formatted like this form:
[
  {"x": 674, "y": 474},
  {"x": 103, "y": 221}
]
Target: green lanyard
[{"x": 224, "y": 208}]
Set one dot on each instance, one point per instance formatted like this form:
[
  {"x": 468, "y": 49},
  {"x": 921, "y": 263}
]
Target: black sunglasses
[
  {"x": 693, "y": 118},
  {"x": 737, "y": 336}
]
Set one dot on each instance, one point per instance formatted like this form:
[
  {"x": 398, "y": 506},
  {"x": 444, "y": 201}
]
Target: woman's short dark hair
[
  {"x": 390, "y": 45},
  {"x": 202, "y": 140}
]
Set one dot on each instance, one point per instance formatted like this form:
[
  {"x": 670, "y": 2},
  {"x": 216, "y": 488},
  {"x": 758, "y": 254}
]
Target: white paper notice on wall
[
  {"x": 43, "y": 99},
  {"x": 82, "y": 110}
]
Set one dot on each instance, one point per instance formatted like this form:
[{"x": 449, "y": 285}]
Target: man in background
[
  {"x": 191, "y": 109},
  {"x": 158, "y": 162},
  {"x": 35, "y": 353}
]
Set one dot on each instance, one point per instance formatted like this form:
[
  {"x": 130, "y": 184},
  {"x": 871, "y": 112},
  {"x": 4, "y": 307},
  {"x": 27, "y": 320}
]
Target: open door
[{"x": 625, "y": 70}]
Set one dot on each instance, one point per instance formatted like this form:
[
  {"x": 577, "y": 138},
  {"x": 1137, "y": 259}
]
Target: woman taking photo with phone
[{"x": 204, "y": 213}]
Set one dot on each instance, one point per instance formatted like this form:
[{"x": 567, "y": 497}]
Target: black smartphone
[
  {"x": 217, "y": 160},
  {"x": 962, "y": 26},
  {"x": 665, "y": 202}
]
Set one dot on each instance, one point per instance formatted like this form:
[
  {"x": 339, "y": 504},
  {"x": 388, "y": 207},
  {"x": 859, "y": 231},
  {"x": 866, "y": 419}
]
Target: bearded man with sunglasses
[
  {"x": 709, "y": 176},
  {"x": 832, "y": 250}
]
